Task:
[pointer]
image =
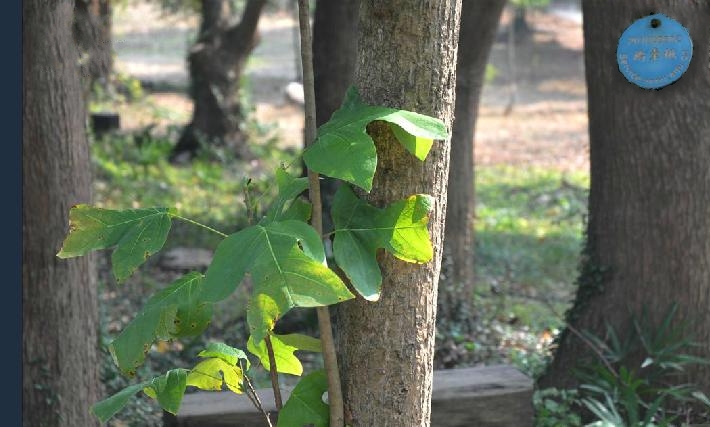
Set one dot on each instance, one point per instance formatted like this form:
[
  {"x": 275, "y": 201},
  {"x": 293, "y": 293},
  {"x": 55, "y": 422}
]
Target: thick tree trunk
[
  {"x": 59, "y": 301},
  {"x": 407, "y": 59},
  {"x": 217, "y": 62},
  {"x": 479, "y": 21},
  {"x": 649, "y": 221},
  {"x": 334, "y": 58}
]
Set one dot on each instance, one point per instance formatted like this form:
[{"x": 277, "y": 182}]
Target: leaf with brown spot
[
  {"x": 162, "y": 318},
  {"x": 136, "y": 234}
]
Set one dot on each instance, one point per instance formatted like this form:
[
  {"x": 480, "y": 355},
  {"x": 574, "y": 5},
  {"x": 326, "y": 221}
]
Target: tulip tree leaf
[
  {"x": 136, "y": 234},
  {"x": 299, "y": 210},
  {"x": 344, "y": 150},
  {"x": 286, "y": 261},
  {"x": 222, "y": 351},
  {"x": 306, "y": 406},
  {"x": 284, "y": 346},
  {"x": 263, "y": 311},
  {"x": 110, "y": 406},
  {"x": 176, "y": 311},
  {"x": 167, "y": 389},
  {"x": 213, "y": 373},
  {"x": 289, "y": 188},
  {"x": 361, "y": 229}
]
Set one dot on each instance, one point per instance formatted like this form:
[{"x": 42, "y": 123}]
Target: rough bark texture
[
  {"x": 407, "y": 59},
  {"x": 479, "y": 21},
  {"x": 334, "y": 59},
  {"x": 92, "y": 32},
  {"x": 59, "y": 302},
  {"x": 216, "y": 64},
  {"x": 649, "y": 221}
]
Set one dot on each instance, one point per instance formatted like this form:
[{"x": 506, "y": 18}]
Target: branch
[
  {"x": 251, "y": 394},
  {"x": 274, "y": 373},
  {"x": 330, "y": 359},
  {"x": 245, "y": 30}
]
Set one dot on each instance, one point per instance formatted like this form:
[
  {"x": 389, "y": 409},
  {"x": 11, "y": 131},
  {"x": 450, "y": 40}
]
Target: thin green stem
[{"x": 206, "y": 227}]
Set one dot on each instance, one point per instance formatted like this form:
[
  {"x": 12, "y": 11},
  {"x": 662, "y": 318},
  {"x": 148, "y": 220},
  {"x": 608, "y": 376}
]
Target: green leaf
[
  {"x": 284, "y": 346},
  {"x": 416, "y": 145},
  {"x": 263, "y": 311},
  {"x": 109, "y": 407},
  {"x": 231, "y": 261},
  {"x": 344, "y": 150},
  {"x": 299, "y": 210},
  {"x": 213, "y": 373},
  {"x": 136, "y": 234},
  {"x": 289, "y": 188},
  {"x": 168, "y": 389},
  {"x": 286, "y": 261},
  {"x": 306, "y": 406},
  {"x": 222, "y": 351},
  {"x": 176, "y": 311},
  {"x": 360, "y": 229}
]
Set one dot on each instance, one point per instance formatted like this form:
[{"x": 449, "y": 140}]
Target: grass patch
[{"x": 529, "y": 225}]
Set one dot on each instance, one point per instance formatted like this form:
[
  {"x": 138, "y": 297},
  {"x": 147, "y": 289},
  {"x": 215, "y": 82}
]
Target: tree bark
[
  {"x": 649, "y": 204},
  {"x": 334, "y": 58},
  {"x": 59, "y": 301},
  {"x": 216, "y": 63},
  {"x": 479, "y": 21},
  {"x": 407, "y": 59}
]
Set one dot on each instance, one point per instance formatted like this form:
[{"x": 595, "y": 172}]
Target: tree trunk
[
  {"x": 479, "y": 21},
  {"x": 334, "y": 57},
  {"x": 520, "y": 24},
  {"x": 649, "y": 221},
  {"x": 217, "y": 62},
  {"x": 59, "y": 301},
  {"x": 407, "y": 59},
  {"x": 92, "y": 32}
]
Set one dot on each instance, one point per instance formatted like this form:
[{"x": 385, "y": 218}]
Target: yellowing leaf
[
  {"x": 284, "y": 346},
  {"x": 213, "y": 373}
]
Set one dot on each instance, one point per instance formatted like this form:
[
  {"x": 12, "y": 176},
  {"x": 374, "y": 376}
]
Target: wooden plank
[{"x": 488, "y": 396}]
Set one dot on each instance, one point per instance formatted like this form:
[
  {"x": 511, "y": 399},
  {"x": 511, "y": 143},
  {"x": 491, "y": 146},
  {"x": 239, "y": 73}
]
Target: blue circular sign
[{"x": 654, "y": 51}]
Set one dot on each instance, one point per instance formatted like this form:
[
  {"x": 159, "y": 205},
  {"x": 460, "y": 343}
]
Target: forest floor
[{"x": 531, "y": 184}]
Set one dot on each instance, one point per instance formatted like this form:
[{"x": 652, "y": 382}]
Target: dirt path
[{"x": 547, "y": 125}]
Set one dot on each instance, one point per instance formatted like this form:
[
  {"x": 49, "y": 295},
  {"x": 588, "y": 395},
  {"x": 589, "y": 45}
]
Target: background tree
[
  {"x": 92, "y": 32},
  {"x": 59, "y": 301},
  {"x": 649, "y": 212},
  {"x": 387, "y": 347},
  {"x": 216, "y": 62},
  {"x": 479, "y": 21},
  {"x": 334, "y": 57},
  {"x": 520, "y": 8}
]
